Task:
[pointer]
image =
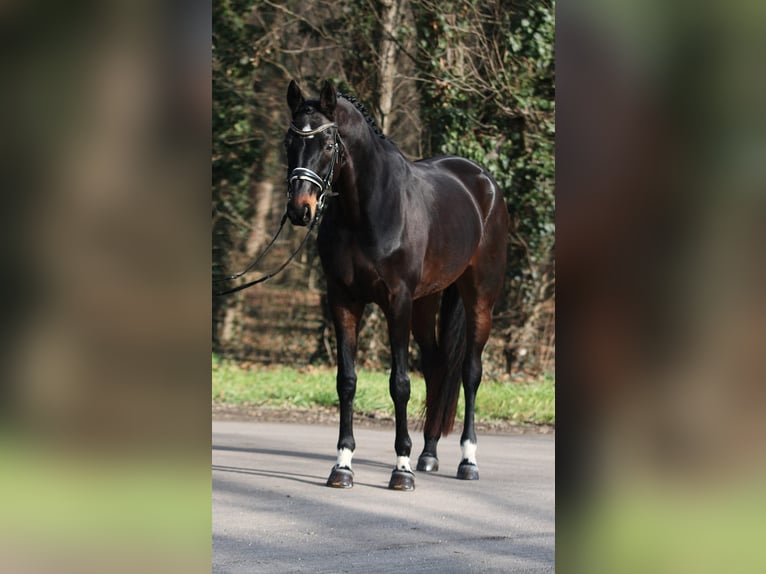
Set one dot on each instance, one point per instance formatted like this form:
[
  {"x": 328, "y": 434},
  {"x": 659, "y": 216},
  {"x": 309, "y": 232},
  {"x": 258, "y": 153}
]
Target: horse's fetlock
[
  {"x": 403, "y": 446},
  {"x": 347, "y": 443}
]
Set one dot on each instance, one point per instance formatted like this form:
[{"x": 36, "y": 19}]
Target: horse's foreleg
[
  {"x": 399, "y": 316},
  {"x": 424, "y": 330},
  {"x": 346, "y": 317}
]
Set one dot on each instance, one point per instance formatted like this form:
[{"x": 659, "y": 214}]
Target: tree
[{"x": 487, "y": 88}]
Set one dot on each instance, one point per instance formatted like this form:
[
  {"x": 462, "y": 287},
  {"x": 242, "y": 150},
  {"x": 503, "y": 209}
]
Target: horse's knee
[
  {"x": 346, "y": 386},
  {"x": 399, "y": 387}
]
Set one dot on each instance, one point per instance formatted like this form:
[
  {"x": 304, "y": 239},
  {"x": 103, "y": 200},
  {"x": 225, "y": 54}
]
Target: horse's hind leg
[
  {"x": 478, "y": 308},
  {"x": 424, "y": 330}
]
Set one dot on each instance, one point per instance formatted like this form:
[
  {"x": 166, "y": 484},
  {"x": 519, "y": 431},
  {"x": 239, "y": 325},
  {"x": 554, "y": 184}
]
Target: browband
[{"x": 320, "y": 129}]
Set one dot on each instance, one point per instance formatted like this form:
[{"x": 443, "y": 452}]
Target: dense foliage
[
  {"x": 457, "y": 76},
  {"x": 489, "y": 96}
]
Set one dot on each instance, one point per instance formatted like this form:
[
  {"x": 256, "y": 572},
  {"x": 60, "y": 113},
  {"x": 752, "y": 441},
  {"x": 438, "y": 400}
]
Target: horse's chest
[{"x": 353, "y": 267}]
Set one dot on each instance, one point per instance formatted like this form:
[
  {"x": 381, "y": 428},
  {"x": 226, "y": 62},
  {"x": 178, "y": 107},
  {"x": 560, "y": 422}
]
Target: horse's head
[{"x": 312, "y": 152}]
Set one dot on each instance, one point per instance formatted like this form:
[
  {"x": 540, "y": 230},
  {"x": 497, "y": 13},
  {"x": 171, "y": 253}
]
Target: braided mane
[{"x": 368, "y": 118}]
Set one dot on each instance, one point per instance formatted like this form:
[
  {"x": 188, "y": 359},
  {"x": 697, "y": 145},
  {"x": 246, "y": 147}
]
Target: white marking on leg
[
  {"x": 469, "y": 451},
  {"x": 344, "y": 457},
  {"x": 403, "y": 463}
]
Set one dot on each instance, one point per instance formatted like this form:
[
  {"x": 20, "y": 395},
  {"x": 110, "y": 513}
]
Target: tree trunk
[
  {"x": 231, "y": 329},
  {"x": 389, "y": 51},
  {"x": 264, "y": 191}
]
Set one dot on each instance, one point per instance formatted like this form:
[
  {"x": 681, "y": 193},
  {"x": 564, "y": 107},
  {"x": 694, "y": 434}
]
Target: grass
[{"x": 523, "y": 403}]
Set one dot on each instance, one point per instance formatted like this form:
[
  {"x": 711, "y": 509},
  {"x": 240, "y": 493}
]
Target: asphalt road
[{"x": 273, "y": 513}]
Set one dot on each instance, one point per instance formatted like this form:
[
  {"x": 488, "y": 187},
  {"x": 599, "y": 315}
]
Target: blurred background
[
  {"x": 105, "y": 428},
  {"x": 660, "y": 181}
]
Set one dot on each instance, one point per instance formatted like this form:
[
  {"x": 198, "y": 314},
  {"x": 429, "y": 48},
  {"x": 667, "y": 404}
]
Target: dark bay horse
[{"x": 426, "y": 241}]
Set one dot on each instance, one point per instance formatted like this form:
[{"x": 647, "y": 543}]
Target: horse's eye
[{"x": 329, "y": 147}]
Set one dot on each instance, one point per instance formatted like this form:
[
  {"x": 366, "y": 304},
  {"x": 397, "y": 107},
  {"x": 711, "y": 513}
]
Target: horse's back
[
  {"x": 468, "y": 218},
  {"x": 472, "y": 179}
]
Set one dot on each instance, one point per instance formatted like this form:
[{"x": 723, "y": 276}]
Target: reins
[
  {"x": 257, "y": 259},
  {"x": 276, "y": 271},
  {"x": 299, "y": 173}
]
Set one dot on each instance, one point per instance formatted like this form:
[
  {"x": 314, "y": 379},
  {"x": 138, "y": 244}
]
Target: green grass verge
[{"x": 531, "y": 403}]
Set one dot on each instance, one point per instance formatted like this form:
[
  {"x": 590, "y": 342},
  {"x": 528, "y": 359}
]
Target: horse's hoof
[
  {"x": 402, "y": 480},
  {"x": 428, "y": 463},
  {"x": 467, "y": 471},
  {"x": 341, "y": 477}
]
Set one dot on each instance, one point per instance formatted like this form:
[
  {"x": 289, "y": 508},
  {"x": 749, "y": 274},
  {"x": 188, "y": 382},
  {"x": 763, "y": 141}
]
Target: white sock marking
[
  {"x": 344, "y": 457},
  {"x": 469, "y": 451},
  {"x": 403, "y": 463}
]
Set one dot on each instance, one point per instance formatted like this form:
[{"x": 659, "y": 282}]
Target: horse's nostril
[{"x": 306, "y": 213}]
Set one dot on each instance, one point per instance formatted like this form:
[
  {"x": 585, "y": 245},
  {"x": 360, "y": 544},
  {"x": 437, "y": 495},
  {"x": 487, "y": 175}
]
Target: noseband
[{"x": 303, "y": 173}]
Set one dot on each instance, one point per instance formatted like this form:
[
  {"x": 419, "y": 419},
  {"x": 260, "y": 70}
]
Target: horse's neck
[{"x": 364, "y": 182}]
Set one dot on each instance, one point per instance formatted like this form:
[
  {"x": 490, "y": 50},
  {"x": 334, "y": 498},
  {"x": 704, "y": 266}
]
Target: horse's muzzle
[{"x": 299, "y": 214}]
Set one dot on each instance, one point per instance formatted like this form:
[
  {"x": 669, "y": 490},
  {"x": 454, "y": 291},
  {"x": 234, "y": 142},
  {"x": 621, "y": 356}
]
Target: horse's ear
[
  {"x": 295, "y": 97},
  {"x": 327, "y": 100}
]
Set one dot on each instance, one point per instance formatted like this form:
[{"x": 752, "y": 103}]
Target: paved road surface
[{"x": 272, "y": 512}]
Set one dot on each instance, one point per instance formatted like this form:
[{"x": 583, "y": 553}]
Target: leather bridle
[{"x": 305, "y": 174}]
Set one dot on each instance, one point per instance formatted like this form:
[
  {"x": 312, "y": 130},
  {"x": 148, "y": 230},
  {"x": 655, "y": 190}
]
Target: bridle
[
  {"x": 303, "y": 173},
  {"x": 299, "y": 173}
]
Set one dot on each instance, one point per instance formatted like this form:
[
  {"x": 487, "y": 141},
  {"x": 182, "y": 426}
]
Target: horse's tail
[{"x": 441, "y": 405}]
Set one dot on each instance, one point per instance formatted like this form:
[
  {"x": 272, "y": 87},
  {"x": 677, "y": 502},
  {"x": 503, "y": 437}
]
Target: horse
[{"x": 426, "y": 241}]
